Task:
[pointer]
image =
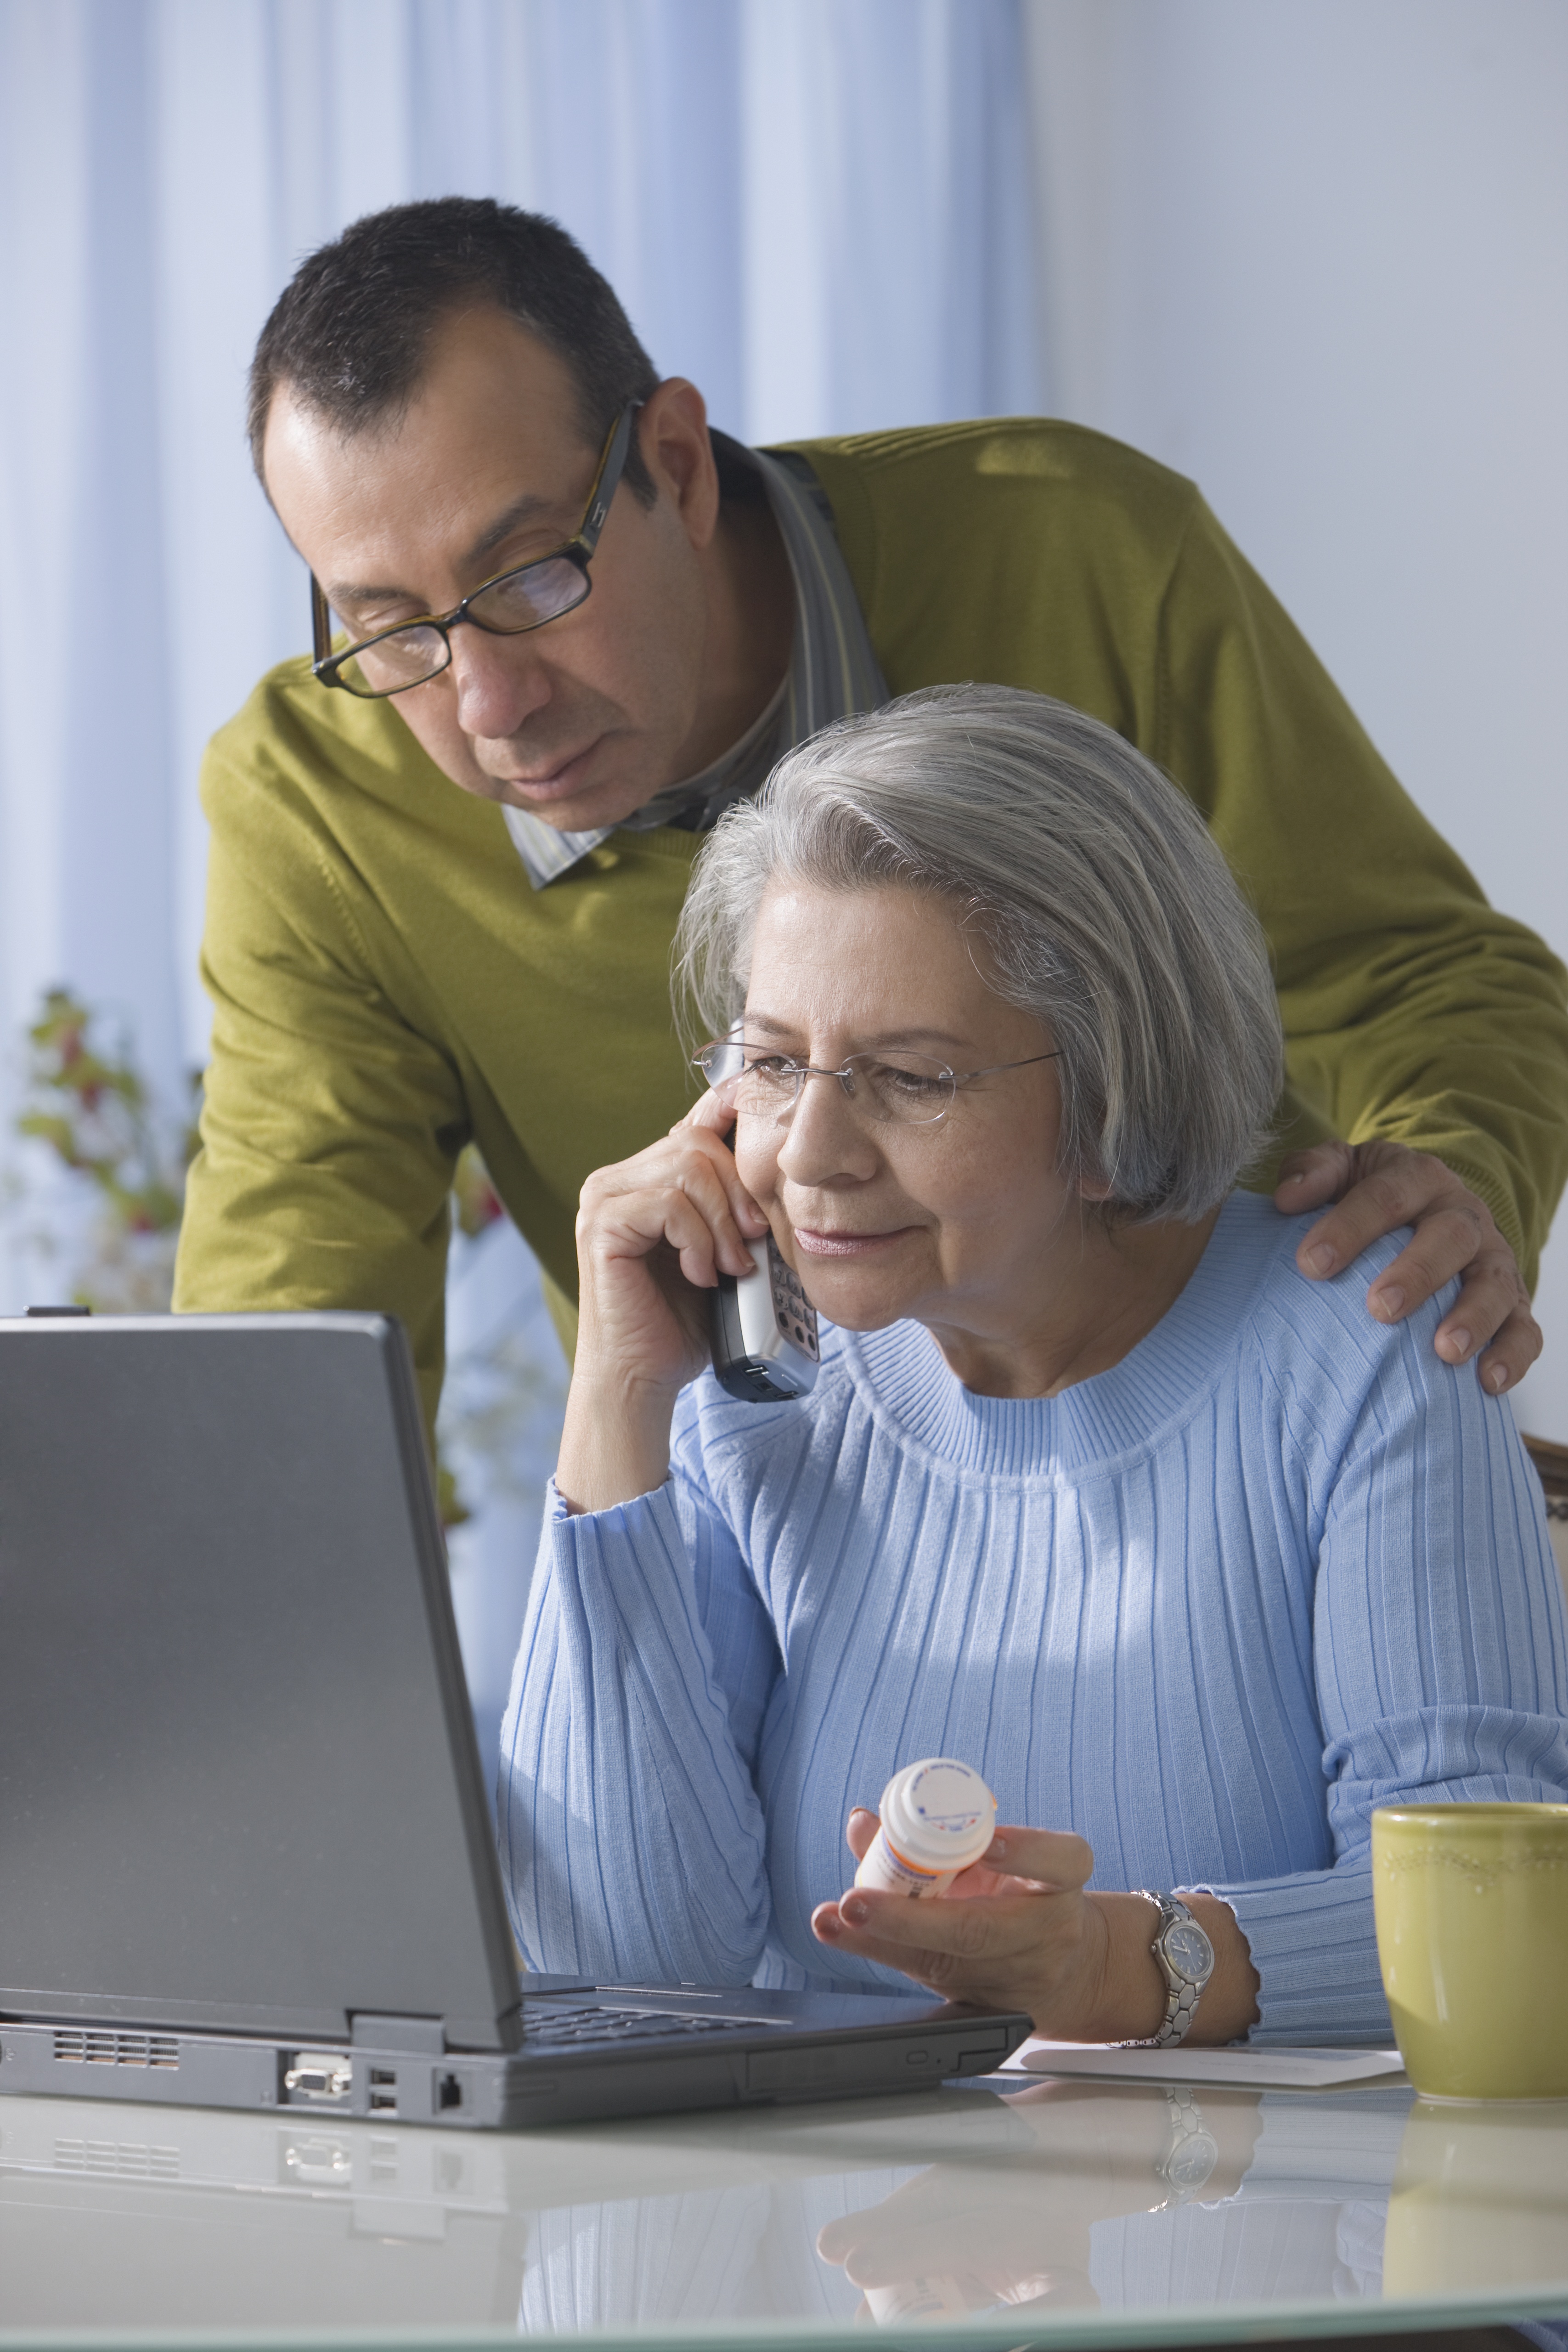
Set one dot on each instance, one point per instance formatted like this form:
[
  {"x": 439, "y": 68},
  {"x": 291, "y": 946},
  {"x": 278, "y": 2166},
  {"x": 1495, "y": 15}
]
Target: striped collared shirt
[{"x": 832, "y": 672}]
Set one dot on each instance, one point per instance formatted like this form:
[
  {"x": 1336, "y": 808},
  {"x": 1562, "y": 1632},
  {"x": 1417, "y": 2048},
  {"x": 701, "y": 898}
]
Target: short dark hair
[{"x": 350, "y": 331}]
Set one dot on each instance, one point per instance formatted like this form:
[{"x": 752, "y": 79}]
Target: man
[{"x": 462, "y": 437}]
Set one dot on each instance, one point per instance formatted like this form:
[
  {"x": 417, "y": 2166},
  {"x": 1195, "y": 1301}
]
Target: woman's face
[{"x": 960, "y": 1224}]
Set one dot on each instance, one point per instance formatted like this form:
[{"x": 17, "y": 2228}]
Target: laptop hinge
[{"x": 421, "y": 2037}]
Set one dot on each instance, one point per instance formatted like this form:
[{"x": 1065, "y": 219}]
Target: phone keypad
[{"x": 797, "y": 1318}]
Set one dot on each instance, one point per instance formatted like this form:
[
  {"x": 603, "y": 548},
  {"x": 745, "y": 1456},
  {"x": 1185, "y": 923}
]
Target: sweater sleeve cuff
[
  {"x": 616, "y": 1518},
  {"x": 1314, "y": 1945}
]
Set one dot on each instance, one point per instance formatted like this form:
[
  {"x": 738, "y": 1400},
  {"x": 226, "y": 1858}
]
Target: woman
[{"x": 1191, "y": 1560}]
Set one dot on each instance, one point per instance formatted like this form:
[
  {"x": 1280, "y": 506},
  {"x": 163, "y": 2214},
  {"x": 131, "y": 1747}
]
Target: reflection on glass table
[{"x": 1087, "y": 2207}]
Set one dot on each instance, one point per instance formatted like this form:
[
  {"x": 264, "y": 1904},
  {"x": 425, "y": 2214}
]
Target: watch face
[
  {"x": 1189, "y": 1950},
  {"x": 1191, "y": 2163}
]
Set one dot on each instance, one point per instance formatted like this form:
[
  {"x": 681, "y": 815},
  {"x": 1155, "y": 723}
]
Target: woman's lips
[{"x": 815, "y": 1243}]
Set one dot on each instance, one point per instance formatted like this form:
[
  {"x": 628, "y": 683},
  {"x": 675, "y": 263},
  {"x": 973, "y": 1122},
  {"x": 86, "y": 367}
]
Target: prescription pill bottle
[
  {"x": 938, "y": 1817},
  {"x": 937, "y": 2297}
]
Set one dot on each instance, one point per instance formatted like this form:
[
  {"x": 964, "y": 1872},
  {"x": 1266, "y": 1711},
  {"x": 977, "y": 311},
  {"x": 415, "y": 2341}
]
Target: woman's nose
[
  {"x": 500, "y": 683},
  {"x": 825, "y": 1137}
]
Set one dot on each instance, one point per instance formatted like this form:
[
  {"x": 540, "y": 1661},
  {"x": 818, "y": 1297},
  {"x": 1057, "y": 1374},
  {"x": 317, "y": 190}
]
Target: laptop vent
[
  {"x": 100, "y": 2049},
  {"x": 123, "y": 2159}
]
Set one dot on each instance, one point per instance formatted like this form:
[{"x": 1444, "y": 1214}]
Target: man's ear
[{"x": 673, "y": 434}]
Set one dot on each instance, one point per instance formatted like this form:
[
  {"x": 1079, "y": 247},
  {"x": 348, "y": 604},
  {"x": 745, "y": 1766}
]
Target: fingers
[
  {"x": 937, "y": 1933},
  {"x": 1053, "y": 1861},
  {"x": 1515, "y": 1346},
  {"x": 1309, "y": 1178},
  {"x": 1454, "y": 1234},
  {"x": 859, "y": 1830},
  {"x": 686, "y": 1191},
  {"x": 1393, "y": 1187},
  {"x": 874, "y": 1928},
  {"x": 715, "y": 1112},
  {"x": 1446, "y": 1243},
  {"x": 1491, "y": 1295}
]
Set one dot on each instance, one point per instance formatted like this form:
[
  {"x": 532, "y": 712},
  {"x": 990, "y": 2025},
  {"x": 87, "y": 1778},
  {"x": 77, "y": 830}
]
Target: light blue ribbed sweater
[{"x": 1279, "y": 1565}]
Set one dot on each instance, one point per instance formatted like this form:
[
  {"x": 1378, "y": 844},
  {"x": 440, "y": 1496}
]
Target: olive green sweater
[{"x": 386, "y": 983}]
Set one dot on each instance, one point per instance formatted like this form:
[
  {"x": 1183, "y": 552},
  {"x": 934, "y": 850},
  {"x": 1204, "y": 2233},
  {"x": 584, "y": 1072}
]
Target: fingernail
[
  {"x": 855, "y": 1909},
  {"x": 1460, "y": 1347},
  {"x": 1388, "y": 1303},
  {"x": 1297, "y": 1179},
  {"x": 826, "y": 1925},
  {"x": 1322, "y": 1259},
  {"x": 1497, "y": 1379},
  {"x": 996, "y": 1850}
]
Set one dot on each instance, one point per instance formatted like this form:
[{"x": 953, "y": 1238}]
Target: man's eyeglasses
[
  {"x": 887, "y": 1089},
  {"x": 395, "y": 659}
]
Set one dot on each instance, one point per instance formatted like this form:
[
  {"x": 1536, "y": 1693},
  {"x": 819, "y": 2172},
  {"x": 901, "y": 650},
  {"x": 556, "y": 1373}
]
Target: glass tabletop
[{"x": 1066, "y": 2213}]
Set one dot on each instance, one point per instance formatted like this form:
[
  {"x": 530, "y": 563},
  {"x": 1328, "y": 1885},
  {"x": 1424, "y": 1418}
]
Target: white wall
[{"x": 1314, "y": 253}]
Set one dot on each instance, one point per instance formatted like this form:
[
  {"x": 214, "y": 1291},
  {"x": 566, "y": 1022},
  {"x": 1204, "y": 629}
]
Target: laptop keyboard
[{"x": 577, "y": 2026}]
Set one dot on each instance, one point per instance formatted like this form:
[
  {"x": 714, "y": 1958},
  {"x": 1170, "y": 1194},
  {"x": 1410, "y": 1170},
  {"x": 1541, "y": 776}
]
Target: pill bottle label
[{"x": 889, "y": 1870}]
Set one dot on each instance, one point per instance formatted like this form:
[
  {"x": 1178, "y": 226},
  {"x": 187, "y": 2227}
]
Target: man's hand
[{"x": 1377, "y": 1188}]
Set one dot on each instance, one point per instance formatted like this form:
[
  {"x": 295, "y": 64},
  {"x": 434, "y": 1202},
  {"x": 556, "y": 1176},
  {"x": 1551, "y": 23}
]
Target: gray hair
[{"x": 1103, "y": 906}]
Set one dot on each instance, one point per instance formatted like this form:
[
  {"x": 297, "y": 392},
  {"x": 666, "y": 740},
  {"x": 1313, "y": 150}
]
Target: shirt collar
[{"x": 833, "y": 672}]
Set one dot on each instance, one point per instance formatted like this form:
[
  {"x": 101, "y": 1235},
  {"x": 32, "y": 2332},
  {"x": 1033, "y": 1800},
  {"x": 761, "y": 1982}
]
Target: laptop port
[
  {"x": 449, "y": 2092},
  {"x": 319, "y": 2074}
]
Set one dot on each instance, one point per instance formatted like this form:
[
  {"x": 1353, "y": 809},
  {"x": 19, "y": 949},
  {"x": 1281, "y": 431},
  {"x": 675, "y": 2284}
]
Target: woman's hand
[
  {"x": 653, "y": 1235},
  {"x": 1377, "y": 1188},
  {"x": 1017, "y": 2229},
  {"x": 1018, "y": 1931}
]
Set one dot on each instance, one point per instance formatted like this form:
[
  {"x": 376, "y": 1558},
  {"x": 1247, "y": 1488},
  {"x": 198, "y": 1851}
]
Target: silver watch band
[
  {"x": 1193, "y": 2152},
  {"x": 1184, "y": 1993}
]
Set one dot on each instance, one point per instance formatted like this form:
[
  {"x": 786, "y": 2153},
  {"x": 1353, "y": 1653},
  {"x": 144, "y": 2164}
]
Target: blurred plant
[{"x": 86, "y": 1101}]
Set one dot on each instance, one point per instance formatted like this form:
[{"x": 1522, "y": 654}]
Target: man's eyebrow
[
  {"x": 522, "y": 511},
  {"x": 527, "y": 509}
]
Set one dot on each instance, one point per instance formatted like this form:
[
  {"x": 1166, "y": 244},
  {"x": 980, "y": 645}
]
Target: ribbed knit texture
[{"x": 1277, "y": 1566}]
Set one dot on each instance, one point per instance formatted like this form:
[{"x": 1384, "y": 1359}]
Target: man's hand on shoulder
[{"x": 1375, "y": 1189}]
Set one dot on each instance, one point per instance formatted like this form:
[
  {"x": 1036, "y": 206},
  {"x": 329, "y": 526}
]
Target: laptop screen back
[{"x": 238, "y": 1783}]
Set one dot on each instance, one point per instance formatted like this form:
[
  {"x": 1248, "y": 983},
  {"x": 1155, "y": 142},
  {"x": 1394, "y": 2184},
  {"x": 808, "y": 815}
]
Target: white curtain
[{"x": 818, "y": 209}]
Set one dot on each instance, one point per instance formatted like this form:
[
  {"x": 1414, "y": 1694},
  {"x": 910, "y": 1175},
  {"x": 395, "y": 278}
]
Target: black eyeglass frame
[
  {"x": 801, "y": 1071},
  {"x": 578, "y": 550}
]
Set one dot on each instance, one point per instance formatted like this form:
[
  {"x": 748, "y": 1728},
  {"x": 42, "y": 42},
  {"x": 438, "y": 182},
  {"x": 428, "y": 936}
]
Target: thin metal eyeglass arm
[{"x": 962, "y": 1077}]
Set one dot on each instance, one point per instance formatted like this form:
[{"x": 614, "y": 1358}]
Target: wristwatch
[
  {"x": 1193, "y": 2152},
  {"x": 1186, "y": 1960}
]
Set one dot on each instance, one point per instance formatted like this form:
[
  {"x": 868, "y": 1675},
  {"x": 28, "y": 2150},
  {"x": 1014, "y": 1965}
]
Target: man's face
[{"x": 585, "y": 719}]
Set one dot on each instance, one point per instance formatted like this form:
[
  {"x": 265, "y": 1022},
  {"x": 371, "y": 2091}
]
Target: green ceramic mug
[
  {"x": 1471, "y": 1904},
  {"x": 1479, "y": 2201}
]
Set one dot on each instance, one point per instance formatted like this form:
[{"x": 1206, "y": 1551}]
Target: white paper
[{"x": 1292, "y": 2069}]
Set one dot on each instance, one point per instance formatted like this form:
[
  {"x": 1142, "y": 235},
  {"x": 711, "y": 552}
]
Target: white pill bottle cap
[{"x": 938, "y": 1815}]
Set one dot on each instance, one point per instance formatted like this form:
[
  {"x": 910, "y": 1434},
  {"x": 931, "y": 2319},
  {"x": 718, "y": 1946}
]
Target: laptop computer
[{"x": 246, "y": 1855}]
